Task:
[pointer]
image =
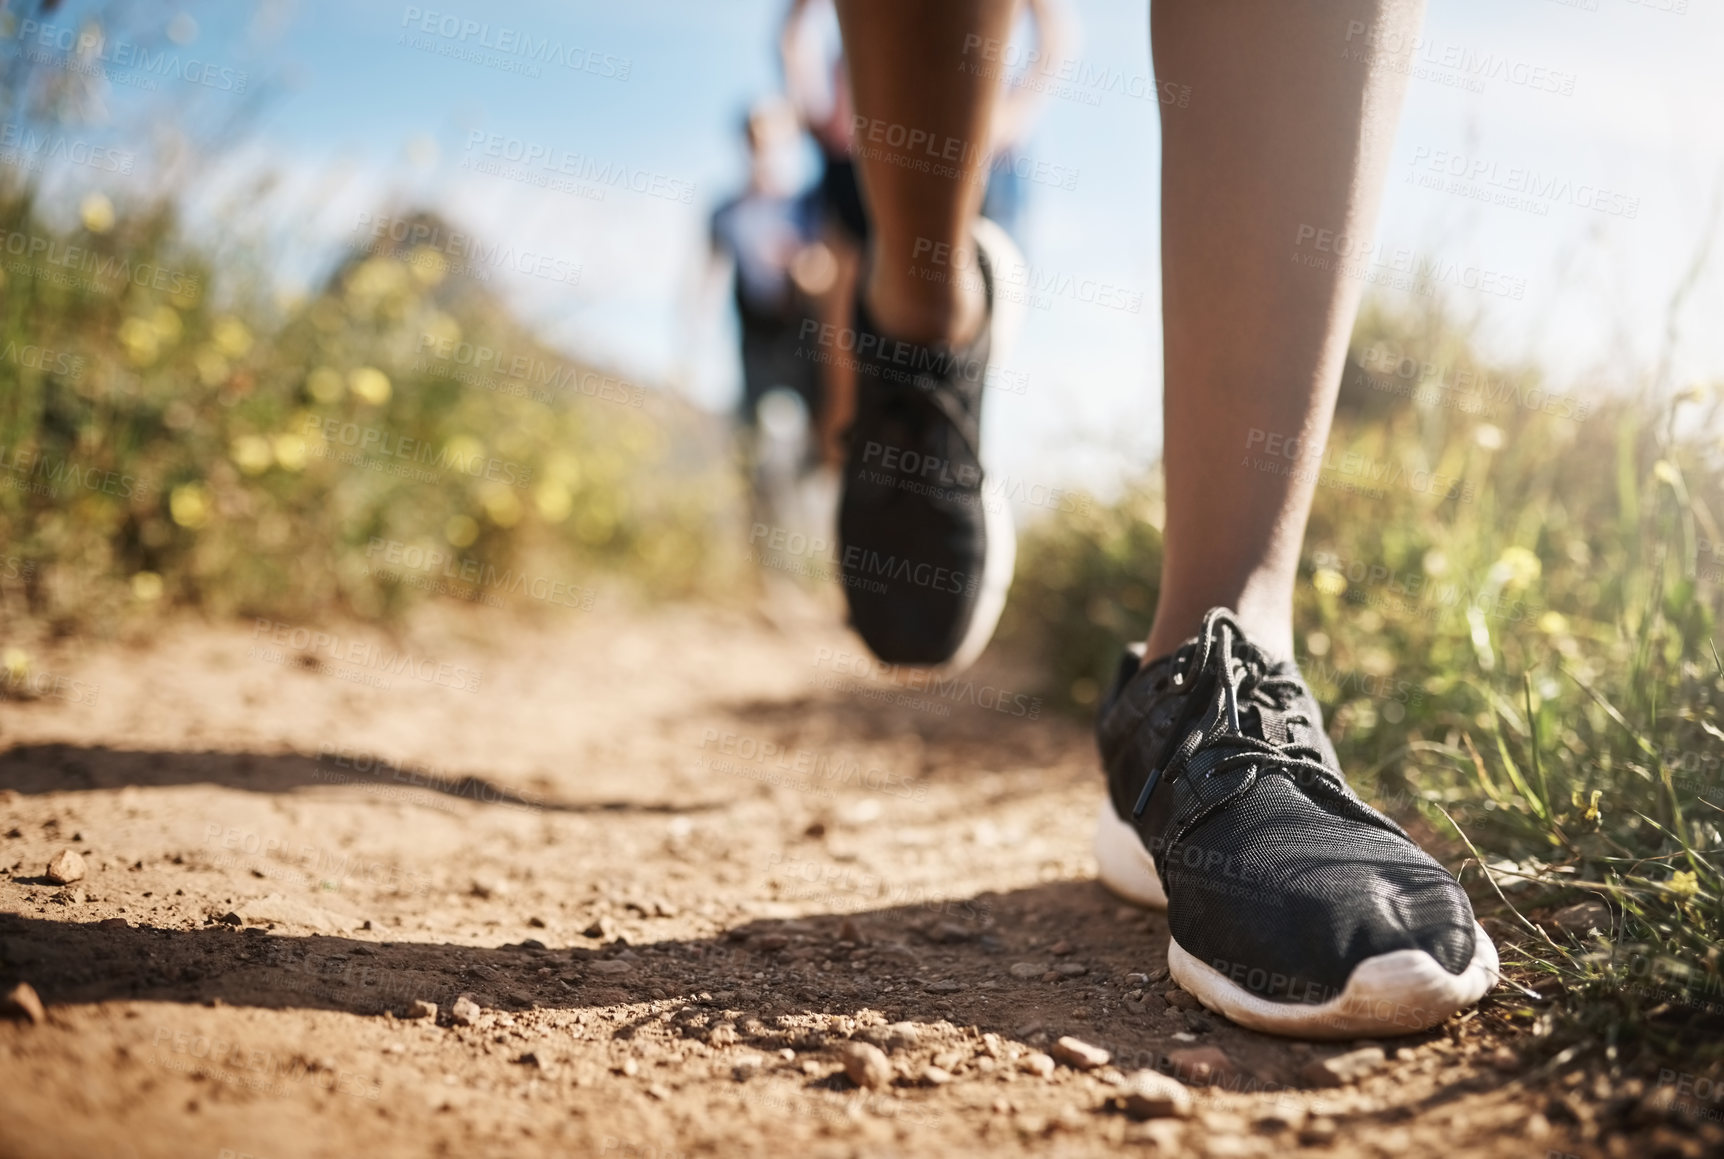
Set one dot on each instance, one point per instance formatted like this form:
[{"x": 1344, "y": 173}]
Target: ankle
[
  {"x": 933, "y": 305},
  {"x": 1267, "y": 623}
]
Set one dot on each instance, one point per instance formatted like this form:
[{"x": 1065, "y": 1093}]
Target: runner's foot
[
  {"x": 926, "y": 555},
  {"x": 1295, "y": 908}
]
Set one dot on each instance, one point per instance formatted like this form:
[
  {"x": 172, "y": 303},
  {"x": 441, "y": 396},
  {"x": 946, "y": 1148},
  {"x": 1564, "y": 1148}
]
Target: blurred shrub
[{"x": 167, "y": 437}]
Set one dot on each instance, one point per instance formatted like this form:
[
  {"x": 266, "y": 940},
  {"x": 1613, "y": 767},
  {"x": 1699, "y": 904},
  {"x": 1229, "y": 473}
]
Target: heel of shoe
[{"x": 1126, "y": 868}]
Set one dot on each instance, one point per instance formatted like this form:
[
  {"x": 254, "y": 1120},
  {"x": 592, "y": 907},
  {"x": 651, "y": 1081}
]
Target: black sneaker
[
  {"x": 926, "y": 555},
  {"x": 1295, "y": 908}
]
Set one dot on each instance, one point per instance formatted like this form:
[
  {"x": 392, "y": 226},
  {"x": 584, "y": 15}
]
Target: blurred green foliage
[{"x": 168, "y": 440}]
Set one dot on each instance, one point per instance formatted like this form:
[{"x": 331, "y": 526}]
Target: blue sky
[{"x": 351, "y": 120}]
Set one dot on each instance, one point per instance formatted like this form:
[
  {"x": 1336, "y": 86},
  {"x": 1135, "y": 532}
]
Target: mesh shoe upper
[
  {"x": 911, "y": 519},
  {"x": 1277, "y": 875}
]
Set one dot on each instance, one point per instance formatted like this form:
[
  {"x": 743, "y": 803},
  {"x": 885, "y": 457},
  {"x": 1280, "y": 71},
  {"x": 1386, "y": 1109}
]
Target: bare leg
[
  {"x": 909, "y": 87},
  {"x": 1282, "y": 132}
]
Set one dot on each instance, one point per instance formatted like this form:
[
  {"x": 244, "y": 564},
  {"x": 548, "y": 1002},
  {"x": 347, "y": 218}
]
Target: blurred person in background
[
  {"x": 766, "y": 240},
  {"x": 817, "y": 83}
]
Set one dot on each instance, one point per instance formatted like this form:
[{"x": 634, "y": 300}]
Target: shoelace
[{"x": 1217, "y": 695}]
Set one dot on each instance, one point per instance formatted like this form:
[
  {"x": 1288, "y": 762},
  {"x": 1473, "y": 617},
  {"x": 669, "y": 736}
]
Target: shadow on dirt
[
  {"x": 63, "y": 768},
  {"x": 990, "y": 961}
]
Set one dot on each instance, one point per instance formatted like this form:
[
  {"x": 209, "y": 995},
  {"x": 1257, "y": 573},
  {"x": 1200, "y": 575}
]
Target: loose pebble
[
  {"x": 1343, "y": 1068},
  {"x": 466, "y": 1011},
  {"x": 422, "y": 1009},
  {"x": 21, "y": 1002},
  {"x": 66, "y": 867},
  {"x": 1148, "y": 1094},
  {"x": 1078, "y": 1054},
  {"x": 1027, "y": 970},
  {"x": 867, "y": 1065},
  {"x": 1038, "y": 1064}
]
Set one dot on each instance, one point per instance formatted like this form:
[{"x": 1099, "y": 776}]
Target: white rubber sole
[
  {"x": 1001, "y": 555},
  {"x": 1402, "y": 992},
  {"x": 1126, "y": 867}
]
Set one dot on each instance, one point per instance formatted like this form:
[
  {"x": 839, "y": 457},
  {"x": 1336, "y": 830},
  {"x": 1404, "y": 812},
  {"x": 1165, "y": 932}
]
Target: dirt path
[{"x": 676, "y": 860}]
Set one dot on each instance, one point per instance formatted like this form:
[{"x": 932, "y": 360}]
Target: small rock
[
  {"x": 1343, "y": 1068},
  {"x": 950, "y": 932},
  {"x": 936, "y": 1076},
  {"x": 724, "y": 1034},
  {"x": 1148, "y": 1094},
  {"x": 532, "y": 944},
  {"x": 628, "y": 1069},
  {"x": 902, "y": 1036},
  {"x": 1318, "y": 1131},
  {"x": 529, "y": 1059},
  {"x": 536, "y": 923},
  {"x": 231, "y": 919},
  {"x": 660, "y": 1092},
  {"x": 113, "y": 924},
  {"x": 944, "y": 986},
  {"x": 67, "y": 867},
  {"x": 1279, "y": 1117},
  {"x": 1201, "y": 1064},
  {"x": 1137, "y": 979},
  {"x": 747, "y": 1068},
  {"x": 1182, "y": 1000},
  {"x": 21, "y": 1002},
  {"x": 1027, "y": 970},
  {"x": 1038, "y": 1064},
  {"x": 610, "y": 966},
  {"x": 1060, "y": 948},
  {"x": 466, "y": 1011},
  {"x": 1504, "y": 1058},
  {"x": 1070, "y": 969},
  {"x": 1079, "y": 1055},
  {"x": 601, "y": 928},
  {"x": 422, "y": 1009},
  {"x": 867, "y": 1065},
  {"x": 1582, "y": 917},
  {"x": 848, "y": 931},
  {"x": 771, "y": 942}
]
